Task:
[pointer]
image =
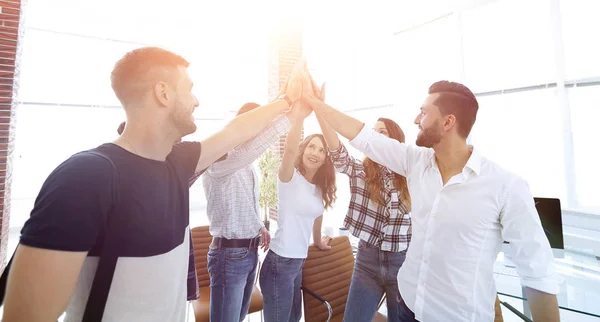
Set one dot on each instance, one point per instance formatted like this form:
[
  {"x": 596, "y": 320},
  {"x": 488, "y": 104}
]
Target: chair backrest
[
  {"x": 201, "y": 240},
  {"x": 327, "y": 273}
]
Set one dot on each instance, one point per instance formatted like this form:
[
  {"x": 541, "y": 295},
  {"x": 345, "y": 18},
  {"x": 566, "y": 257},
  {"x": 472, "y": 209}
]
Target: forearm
[
  {"x": 293, "y": 139},
  {"x": 344, "y": 124},
  {"x": 239, "y": 130},
  {"x": 317, "y": 229},
  {"x": 248, "y": 125},
  {"x": 331, "y": 137},
  {"x": 544, "y": 306},
  {"x": 250, "y": 150}
]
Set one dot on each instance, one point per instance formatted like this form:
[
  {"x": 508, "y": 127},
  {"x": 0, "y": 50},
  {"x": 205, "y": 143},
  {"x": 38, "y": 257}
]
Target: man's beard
[
  {"x": 182, "y": 121},
  {"x": 430, "y": 136}
]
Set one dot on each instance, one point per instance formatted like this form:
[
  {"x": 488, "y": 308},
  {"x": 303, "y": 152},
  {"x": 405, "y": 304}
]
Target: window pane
[
  {"x": 585, "y": 113},
  {"x": 507, "y": 44},
  {"x": 522, "y": 132},
  {"x": 77, "y": 71},
  {"x": 424, "y": 55},
  {"x": 48, "y": 135},
  {"x": 581, "y": 28}
]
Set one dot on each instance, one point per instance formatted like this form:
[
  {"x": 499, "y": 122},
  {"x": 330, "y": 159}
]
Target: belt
[{"x": 220, "y": 242}]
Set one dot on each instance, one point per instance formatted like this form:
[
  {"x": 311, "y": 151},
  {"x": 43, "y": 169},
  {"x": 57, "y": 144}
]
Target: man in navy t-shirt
[{"x": 128, "y": 199}]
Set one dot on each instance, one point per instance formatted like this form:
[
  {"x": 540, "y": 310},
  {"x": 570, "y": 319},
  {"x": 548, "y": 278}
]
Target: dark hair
[
  {"x": 373, "y": 174},
  {"x": 458, "y": 100},
  {"x": 246, "y": 108},
  {"x": 324, "y": 179},
  {"x": 140, "y": 69},
  {"x": 121, "y": 128}
]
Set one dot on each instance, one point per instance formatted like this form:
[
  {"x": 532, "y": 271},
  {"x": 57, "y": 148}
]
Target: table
[{"x": 579, "y": 281}]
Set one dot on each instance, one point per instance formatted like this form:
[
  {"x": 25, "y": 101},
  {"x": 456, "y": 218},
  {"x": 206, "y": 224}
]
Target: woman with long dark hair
[
  {"x": 306, "y": 188},
  {"x": 379, "y": 215}
]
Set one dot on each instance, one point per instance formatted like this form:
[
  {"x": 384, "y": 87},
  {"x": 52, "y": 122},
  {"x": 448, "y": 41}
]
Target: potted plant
[{"x": 268, "y": 163}]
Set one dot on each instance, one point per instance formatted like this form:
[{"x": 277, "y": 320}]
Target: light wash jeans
[
  {"x": 375, "y": 273},
  {"x": 281, "y": 282}
]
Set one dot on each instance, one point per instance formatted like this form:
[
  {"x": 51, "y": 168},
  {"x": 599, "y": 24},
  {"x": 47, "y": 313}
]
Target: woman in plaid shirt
[{"x": 379, "y": 215}]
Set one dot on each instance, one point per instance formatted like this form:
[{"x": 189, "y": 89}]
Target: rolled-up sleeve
[{"x": 521, "y": 227}]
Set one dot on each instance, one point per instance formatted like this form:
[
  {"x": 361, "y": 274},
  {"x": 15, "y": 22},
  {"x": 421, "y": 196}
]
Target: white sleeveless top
[{"x": 300, "y": 203}]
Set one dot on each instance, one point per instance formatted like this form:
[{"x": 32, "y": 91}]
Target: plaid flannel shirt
[{"x": 387, "y": 226}]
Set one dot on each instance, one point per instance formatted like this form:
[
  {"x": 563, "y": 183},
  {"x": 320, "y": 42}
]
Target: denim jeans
[
  {"x": 280, "y": 283},
  {"x": 375, "y": 273},
  {"x": 232, "y": 273},
  {"x": 404, "y": 313}
]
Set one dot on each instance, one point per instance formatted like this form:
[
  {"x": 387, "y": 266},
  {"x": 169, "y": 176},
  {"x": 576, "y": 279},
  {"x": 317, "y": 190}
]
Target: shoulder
[
  {"x": 83, "y": 166},
  {"x": 293, "y": 179},
  {"x": 185, "y": 156},
  {"x": 508, "y": 181},
  {"x": 185, "y": 149}
]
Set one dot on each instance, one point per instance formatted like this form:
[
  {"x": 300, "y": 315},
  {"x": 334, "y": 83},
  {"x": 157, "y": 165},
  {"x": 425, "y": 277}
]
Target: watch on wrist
[{"x": 287, "y": 99}]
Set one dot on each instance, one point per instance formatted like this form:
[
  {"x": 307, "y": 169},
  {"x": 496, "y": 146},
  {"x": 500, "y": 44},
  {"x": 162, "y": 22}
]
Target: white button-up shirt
[{"x": 458, "y": 229}]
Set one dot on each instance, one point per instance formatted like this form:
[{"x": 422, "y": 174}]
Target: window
[
  {"x": 522, "y": 132},
  {"x": 585, "y": 112},
  {"x": 508, "y": 44},
  {"x": 580, "y": 30},
  {"x": 423, "y": 56}
]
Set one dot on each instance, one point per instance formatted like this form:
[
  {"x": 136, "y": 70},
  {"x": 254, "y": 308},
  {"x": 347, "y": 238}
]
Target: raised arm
[
  {"x": 247, "y": 152},
  {"x": 521, "y": 227},
  {"x": 388, "y": 152},
  {"x": 286, "y": 169},
  {"x": 331, "y": 137},
  {"x": 249, "y": 124},
  {"x": 239, "y": 130},
  {"x": 341, "y": 159}
]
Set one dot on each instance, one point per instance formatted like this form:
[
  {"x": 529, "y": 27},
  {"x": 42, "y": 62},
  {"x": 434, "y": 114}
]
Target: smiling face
[
  {"x": 429, "y": 122},
  {"x": 184, "y": 104},
  {"x": 314, "y": 154}
]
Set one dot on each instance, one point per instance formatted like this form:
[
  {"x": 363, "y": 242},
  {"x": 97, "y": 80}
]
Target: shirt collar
[{"x": 474, "y": 162}]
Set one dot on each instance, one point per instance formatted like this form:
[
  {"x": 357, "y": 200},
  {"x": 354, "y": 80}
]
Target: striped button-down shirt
[
  {"x": 231, "y": 186},
  {"x": 385, "y": 225}
]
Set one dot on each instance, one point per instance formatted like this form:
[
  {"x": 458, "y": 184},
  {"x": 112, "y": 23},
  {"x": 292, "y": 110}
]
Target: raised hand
[
  {"x": 319, "y": 93},
  {"x": 316, "y": 96},
  {"x": 295, "y": 82},
  {"x": 301, "y": 109}
]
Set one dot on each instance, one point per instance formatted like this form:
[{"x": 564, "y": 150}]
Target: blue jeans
[
  {"x": 375, "y": 273},
  {"x": 404, "y": 313},
  {"x": 232, "y": 272},
  {"x": 280, "y": 283}
]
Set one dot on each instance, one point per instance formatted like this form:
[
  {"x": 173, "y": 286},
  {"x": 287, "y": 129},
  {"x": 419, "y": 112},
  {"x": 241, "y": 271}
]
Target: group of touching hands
[{"x": 305, "y": 94}]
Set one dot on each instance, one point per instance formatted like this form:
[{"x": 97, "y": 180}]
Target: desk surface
[{"x": 579, "y": 278}]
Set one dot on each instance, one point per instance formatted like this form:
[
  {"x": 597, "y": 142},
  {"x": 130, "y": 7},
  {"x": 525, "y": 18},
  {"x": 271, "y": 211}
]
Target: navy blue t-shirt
[{"x": 151, "y": 201}]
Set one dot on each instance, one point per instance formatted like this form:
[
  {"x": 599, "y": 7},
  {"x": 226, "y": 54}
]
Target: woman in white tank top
[{"x": 306, "y": 188}]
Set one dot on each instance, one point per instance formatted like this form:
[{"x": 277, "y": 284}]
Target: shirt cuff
[
  {"x": 547, "y": 284},
  {"x": 338, "y": 150},
  {"x": 362, "y": 138}
]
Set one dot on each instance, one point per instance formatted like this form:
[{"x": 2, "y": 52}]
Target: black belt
[{"x": 220, "y": 242}]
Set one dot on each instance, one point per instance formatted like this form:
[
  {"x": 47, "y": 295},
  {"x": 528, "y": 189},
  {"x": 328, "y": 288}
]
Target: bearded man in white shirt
[{"x": 463, "y": 207}]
